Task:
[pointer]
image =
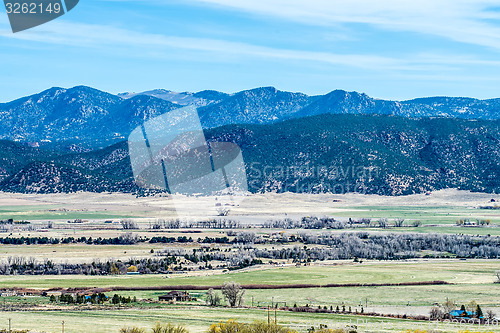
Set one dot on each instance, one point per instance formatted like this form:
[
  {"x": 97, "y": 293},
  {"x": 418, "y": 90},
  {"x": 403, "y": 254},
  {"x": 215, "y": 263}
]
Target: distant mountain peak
[
  {"x": 267, "y": 89},
  {"x": 83, "y": 113},
  {"x": 179, "y": 98}
]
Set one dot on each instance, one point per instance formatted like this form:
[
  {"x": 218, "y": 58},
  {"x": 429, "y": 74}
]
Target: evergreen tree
[{"x": 479, "y": 312}]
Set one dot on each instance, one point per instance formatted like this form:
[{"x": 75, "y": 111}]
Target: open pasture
[
  {"x": 198, "y": 319},
  {"x": 461, "y": 274}
]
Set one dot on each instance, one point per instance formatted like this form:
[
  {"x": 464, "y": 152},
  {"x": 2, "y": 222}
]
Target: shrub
[
  {"x": 132, "y": 330},
  {"x": 337, "y": 330},
  {"x": 417, "y": 223},
  {"x": 169, "y": 328},
  {"x": 232, "y": 326}
]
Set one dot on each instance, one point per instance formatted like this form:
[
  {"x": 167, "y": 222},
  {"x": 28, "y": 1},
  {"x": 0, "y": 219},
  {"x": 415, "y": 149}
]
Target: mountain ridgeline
[
  {"x": 366, "y": 153},
  {"x": 93, "y": 119}
]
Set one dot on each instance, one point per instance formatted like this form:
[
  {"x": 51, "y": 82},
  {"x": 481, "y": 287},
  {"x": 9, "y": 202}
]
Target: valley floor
[
  {"x": 437, "y": 209},
  {"x": 101, "y": 215},
  {"x": 471, "y": 280}
]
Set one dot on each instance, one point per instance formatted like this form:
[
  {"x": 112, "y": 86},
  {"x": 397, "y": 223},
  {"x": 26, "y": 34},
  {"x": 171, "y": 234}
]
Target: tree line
[
  {"x": 390, "y": 246},
  {"x": 126, "y": 239},
  {"x": 31, "y": 266}
]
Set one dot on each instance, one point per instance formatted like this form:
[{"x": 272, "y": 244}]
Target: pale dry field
[{"x": 254, "y": 207}]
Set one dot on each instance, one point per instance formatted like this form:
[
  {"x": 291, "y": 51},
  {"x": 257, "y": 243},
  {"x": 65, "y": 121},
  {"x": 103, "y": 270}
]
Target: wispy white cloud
[
  {"x": 104, "y": 37},
  {"x": 125, "y": 42},
  {"x": 466, "y": 21}
]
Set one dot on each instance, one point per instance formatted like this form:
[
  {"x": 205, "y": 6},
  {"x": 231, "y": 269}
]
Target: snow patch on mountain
[{"x": 179, "y": 98}]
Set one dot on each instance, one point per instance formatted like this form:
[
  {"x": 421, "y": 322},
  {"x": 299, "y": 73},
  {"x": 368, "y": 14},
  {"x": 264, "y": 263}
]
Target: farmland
[
  {"x": 472, "y": 280},
  {"x": 198, "y": 319},
  {"x": 71, "y": 230},
  {"x": 441, "y": 208},
  {"x": 453, "y": 271}
]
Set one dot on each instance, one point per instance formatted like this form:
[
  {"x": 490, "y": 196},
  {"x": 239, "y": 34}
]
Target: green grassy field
[
  {"x": 356, "y": 297},
  {"x": 440, "y": 219},
  {"x": 452, "y": 229},
  {"x": 473, "y": 280},
  {"x": 35, "y": 215},
  {"x": 198, "y": 319},
  {"x": 434, "y": 219},
  {"x": 427, "y": 215},
  {"x": 431, "y": 214},
  {"x": 56, "y": 212},
  {"x": 453, "y": 271}
]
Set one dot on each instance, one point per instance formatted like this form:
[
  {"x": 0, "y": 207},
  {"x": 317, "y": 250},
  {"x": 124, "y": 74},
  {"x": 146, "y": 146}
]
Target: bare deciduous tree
[
  {"x": 156, "y": 225},
  {"x": 247, "y": 237},
  {"x": 366, "y": 221},
  {"x": 490, "y": 314},
  {"x": 448, "y": 306},
  {"x": 399, "y": 222},
  {"x": 233, "y": 293},
  {"x": 436, "y": 313},
  {"x": 213, "y": 298},
  {"x": 129, "y": 224},
  {"x": 471, "y": 306},
  {"x": 382, "y": 223},
  {"x": 222, "y": 211}
]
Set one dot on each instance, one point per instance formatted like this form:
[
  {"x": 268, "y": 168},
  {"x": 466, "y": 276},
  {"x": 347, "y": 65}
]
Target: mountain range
[
  {"x": 96, "y": 119},
  {"x": 67, "y": 140},
  {"x": 339, "y": 153}
]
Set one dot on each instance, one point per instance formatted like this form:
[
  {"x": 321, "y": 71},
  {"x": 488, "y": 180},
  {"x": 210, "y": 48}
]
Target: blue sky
[{"x": 392, "y": 49}]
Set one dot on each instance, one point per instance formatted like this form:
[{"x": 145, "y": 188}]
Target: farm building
[
  {"x": 96, "y": 296},
  {"x": 464, "y": 314},
  {"x": 8, "y": 293},
  {"x": 53, "y": 293},
  {"x": 179, "y": 296}
]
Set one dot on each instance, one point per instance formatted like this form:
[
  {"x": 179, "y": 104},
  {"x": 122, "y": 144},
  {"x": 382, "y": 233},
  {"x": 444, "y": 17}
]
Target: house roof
[{"x": 460, "y": 313}]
